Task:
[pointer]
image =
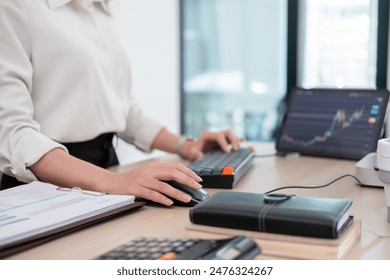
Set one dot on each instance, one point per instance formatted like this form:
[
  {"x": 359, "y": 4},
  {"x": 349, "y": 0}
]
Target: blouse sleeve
[
  {"x": 21, "y": 144},
  {"x": 141, "y": 129}
]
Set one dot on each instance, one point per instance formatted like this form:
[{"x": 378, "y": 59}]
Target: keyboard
[
  {"x": 150, "y": 248},
  {"x": 223, "y": 170}
]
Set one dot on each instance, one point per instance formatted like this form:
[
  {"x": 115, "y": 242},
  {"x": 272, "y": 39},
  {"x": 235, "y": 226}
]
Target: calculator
[{"x": 149, "y": 248}]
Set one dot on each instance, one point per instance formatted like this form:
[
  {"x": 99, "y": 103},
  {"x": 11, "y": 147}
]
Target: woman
[{"x": 65, "y": 91}]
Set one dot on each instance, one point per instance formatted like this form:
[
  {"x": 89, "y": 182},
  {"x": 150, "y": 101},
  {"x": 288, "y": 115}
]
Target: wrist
[{"x": 181, "y": 145}]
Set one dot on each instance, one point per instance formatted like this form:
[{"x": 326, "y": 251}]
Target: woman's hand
[
  {"x": 146, "y": 182},
  {"x": 193, "y": 150},
  {"x": 59, "y": 168}
]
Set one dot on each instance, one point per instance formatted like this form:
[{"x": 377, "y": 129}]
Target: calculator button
[{"x": 150, "y": 249}]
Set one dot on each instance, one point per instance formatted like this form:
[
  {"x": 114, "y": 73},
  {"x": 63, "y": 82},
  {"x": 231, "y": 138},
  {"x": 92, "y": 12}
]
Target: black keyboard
[
  {"x": 223, "y": 170},
  {"x": 142, "y": 248}
]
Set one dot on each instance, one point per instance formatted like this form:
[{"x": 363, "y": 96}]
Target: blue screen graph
[{"x": 337, "y": 123}]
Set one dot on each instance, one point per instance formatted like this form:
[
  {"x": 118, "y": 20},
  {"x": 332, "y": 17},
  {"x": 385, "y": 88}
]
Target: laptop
[{"x": 338, "y": 123}]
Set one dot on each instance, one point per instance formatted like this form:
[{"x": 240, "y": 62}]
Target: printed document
[{"x": 38, "y": 207}]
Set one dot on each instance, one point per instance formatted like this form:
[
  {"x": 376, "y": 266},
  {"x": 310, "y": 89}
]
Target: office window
[
  {"x": 233, "y": 65},
  {"x": 338, "y": 43},
  {"x": 240, "y": 58}
]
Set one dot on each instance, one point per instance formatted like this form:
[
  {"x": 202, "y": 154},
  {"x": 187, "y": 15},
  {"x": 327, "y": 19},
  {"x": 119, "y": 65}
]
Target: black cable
[{"x": 316, "y": 187}]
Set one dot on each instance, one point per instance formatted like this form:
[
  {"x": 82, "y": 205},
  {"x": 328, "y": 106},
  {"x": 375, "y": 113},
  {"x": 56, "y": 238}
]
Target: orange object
[
  {"x": 168, "y": 256},
  {"x": 228, "y": 170}
]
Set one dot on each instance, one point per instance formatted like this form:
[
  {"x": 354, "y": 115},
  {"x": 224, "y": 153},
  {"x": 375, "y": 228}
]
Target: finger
[
  {"x": 174, "y": 193},
  {"x": 222, "y": 142},
  {"x": 176, "y": 172},
  {"x": 162, "y": 192},
  {"x": 183, "y": 178},
  {"x": 233, "y": 139},
  {"x": 164, "y": 171},
  {"x": 150, "y": 194},
  {"x": 194, "y": 153},
  {"x": 186, "y": 171}
]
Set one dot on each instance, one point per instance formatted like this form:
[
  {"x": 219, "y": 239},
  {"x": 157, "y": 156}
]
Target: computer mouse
[{"x": 196, "y": 195}]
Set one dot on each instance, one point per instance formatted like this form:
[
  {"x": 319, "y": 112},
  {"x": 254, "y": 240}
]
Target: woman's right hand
[
  {"x": 147, "y": 182},
  {"x": 59, "y": 168}
]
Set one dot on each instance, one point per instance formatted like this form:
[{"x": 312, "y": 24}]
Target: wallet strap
[
  {"x": 262, "y": 216},
  {"x": 270, "y": 201}
]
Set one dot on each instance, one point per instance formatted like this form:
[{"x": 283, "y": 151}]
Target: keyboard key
[{"x": 223, "y": 170}]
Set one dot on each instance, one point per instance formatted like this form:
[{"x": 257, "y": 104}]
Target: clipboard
[{"x": 38, "y": 237}]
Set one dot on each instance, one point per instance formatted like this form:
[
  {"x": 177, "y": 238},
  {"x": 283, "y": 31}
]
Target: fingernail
[
  {"x": 168, "y": 202},
  {"x": 186, "y": 197},
  {"x": 197, "y": 184}
]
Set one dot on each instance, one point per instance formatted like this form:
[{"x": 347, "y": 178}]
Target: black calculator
[{"x": 149, "y": 248}]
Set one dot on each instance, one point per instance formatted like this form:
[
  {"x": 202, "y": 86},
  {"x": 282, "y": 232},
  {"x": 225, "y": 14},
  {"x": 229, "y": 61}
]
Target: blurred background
[{"x": 218, "y": 64}]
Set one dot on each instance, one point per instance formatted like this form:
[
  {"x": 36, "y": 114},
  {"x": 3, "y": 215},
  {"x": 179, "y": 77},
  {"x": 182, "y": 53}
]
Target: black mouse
[{"x": 196, "y": 195}]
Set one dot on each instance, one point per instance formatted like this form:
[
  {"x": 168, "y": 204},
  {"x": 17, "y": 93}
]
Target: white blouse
[{"x": 64, "y": 77}]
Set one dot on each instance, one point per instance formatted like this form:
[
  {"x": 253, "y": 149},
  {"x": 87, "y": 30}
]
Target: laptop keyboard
[{"x": 223, "y": 170}]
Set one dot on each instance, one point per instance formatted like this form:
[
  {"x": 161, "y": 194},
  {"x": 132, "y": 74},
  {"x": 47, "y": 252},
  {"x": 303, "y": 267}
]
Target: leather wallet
[{"x": 275, "y": 213}]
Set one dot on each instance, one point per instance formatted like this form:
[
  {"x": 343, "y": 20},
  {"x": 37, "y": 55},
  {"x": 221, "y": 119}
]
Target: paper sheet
[{"x": 37, "y": 207}]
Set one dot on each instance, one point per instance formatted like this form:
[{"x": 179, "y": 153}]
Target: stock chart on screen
[{"x": 343, "y": 123}]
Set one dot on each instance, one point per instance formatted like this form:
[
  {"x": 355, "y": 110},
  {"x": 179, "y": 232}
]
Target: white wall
[{"x": 151, "y": 35}]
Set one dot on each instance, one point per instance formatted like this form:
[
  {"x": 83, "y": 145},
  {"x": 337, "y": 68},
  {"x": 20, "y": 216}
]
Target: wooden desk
[{"x": 268, "y": 173}]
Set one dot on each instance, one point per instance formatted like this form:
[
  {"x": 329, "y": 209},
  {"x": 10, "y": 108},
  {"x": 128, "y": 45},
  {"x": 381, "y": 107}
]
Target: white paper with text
[{"x": 38, "y": 207}]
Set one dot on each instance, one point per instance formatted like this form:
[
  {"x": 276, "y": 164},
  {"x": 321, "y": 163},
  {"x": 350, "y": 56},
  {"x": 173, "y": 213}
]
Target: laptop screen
[{"x": 341, "y": 123}]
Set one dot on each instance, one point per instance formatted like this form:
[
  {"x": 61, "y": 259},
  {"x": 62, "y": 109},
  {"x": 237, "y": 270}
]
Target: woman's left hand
[{"x": 209, "y": 140}]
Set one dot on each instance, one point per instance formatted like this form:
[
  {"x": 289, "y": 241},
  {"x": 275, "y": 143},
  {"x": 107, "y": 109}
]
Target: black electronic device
[
  {"x": 339, "y": 123},
  {"x": 196, "y": 195},
  {"x": 150, "y": 248},
  {"x": 223, "y": 170}
]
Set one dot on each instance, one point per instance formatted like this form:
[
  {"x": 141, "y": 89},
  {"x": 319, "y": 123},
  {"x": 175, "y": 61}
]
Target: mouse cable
[{"x": 315, "y": 187}]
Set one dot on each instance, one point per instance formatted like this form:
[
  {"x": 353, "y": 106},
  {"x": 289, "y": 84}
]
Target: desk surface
[{"x": 268, "y": 173}]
